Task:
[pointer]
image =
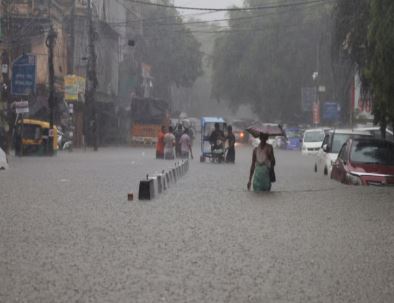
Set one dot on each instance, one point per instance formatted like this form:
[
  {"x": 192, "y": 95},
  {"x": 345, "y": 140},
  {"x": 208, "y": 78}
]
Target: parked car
[
  {"x": 294, "y": 138},
  {"x": 312, "y": 141},
  {"x": 365, "y": 161},
  {"x": 331, "y": 145}
]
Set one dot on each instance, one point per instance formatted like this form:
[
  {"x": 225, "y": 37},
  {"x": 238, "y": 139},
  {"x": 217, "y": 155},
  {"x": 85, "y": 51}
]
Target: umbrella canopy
[{"x": 269, "y": 129}]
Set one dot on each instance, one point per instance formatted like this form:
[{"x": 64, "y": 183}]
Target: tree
[
  {"x": 264, "y": 59},
  {"x": 365, "y": 34},
  {"x": 170, "y": 48},
  {"x": 380, "y": 67}
]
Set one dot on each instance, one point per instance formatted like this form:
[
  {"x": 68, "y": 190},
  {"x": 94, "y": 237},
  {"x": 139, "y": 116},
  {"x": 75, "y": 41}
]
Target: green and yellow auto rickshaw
[{"x": 31, "y": 137}]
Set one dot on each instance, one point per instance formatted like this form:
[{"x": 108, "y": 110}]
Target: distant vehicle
[
  {"x": 207, "y": 151},
  {"x": 365, "y": 161},
  {"x": 31, "y": 137},
  {"x": 375, "y": 131},
  {"x": 147, "y": 117},
  {"x": 294, "y": 138},
  {"x": 331, "y": 145},
  {"x": 239, "y": 126},
  {"x": 312, "y": 141},
  {"x": 281, "y": 142}
]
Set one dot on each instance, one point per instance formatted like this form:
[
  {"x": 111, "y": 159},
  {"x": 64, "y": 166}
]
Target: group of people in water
[
  {"x": 178, "y": 143},
  {"x": 174, "y": 143}
]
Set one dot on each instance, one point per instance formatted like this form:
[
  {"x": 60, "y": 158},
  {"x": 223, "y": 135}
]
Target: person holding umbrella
[
  {"x": 263, "y": 162},
  {"x": 263, "y": 158}
]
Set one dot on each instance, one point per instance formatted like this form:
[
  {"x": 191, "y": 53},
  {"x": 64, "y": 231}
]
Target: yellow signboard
[{"x": 73, "y": 86}]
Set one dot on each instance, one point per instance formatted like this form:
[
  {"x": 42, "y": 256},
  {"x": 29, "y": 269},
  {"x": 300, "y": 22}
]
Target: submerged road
[{"x": 68, "y": 233}]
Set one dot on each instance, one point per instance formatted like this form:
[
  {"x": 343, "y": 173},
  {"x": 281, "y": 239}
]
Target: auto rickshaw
[
  {"x": 207, "y": 150},
  {"x": 31, "y": 137}
]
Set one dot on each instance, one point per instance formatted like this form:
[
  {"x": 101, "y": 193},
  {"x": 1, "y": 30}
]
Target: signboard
[
  {"x": 73, "y": 86},
  {"x": 308, "y": 97},
  {"x": 361, "y": 102},
  {"x": 23, "y": 82},
  {"x": 22, "y": 107},
  {"x": 331, "y": 111},
  {"x": 316, "y": 113}
]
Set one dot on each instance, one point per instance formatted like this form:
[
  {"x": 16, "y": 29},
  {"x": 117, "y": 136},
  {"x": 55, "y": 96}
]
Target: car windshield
[
  {"x": 315, "y": 136},
  {"x": 292, "y": 134},
  {"x": 338, "y": 141},
  {"x": 31, "y": 131},
  {"x": 381, "y": 152}
]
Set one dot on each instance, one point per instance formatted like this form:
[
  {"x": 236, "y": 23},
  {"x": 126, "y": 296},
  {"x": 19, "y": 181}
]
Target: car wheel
[
  {"x": 315, "y": 168},
  {"x": 325, "y": 171}
]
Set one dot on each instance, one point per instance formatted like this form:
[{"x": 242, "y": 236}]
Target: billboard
[
  {"x": 73, "y": 86},
  {"x": 308, "y": 97},
  {"x": 361, "y": 101},
  {"x": 331, "y": 111},
  {"x": 23, "y": 81}
]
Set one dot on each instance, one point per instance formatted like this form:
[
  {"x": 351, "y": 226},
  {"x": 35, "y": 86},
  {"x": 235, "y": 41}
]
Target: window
[
  {"x": 338, "y": 141},
  {"x": 368, "y": 152},
  {"x": 316, "y": 136},
  {"x": 343, "y": 153},
  {"x": 325, "y": 141}
]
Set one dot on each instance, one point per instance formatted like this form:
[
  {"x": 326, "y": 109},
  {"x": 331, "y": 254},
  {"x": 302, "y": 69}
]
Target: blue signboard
[
  {"x": 331, "y": 111},
  {"x": 23, "y": 80},
  {"x": 308, "y": 97}
]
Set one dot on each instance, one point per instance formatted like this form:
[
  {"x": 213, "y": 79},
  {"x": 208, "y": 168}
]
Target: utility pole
[
  {"x": 5, "y": 61},
  {"x": 70, "y": 57},
  {"x": 92, "y": 79},
  {"x": 50, "y": 43}
]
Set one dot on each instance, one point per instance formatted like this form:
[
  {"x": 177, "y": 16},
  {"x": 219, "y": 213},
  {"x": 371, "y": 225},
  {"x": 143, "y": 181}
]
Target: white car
[
  {"x": 331, "y": 146},
  {"x": 3, "y": 160},
  {"x": 312, "y": 141},
  {"x": 375, "y": 132}
]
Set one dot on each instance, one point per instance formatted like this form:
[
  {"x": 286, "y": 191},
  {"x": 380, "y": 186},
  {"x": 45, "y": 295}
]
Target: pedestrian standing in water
[
  {"x": 263, "y": 162},
  {"x": 169, "y": 144},
  {"x": 230, "y": 157},
  {"x": 160, "y": 143},
  {"x": 178, "y": 134},
  {"x": 186, "y": 145}
]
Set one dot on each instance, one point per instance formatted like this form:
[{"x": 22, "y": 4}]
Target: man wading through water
[{"x": 262, "y": 168}]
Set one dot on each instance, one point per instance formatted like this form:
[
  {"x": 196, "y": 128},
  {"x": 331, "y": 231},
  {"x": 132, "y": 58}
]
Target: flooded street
[{"x": 68, "y": 233}]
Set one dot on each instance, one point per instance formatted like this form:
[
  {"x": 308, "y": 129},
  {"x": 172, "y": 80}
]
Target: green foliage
[
  {"x": 266, "y": 59},
  {"x": 172, "y": 51},
  {"x": 351, "y": 28},
  {"x": 380, "y": 68},
  {"x": 365, "y": 33}
]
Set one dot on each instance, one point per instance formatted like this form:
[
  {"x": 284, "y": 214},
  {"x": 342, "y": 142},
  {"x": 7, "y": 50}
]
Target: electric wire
[{"x": 234, "y": 9}]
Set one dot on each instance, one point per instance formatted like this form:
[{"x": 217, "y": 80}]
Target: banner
[{"x": 73, "y": 86}]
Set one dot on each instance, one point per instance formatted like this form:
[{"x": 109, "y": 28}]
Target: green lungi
[{"x": 261, "y": 179}]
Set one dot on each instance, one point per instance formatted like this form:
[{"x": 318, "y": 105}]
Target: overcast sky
[{"x": 206, "y": 3}]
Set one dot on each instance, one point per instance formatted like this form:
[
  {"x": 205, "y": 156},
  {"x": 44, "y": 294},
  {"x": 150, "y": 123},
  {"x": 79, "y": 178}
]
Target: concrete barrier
[
  {"x": 146, "y": 190},
  {"x": 173, "y": 171},
  {"x": 168, "y": 179},
  {"x": 156, "y": 184}
]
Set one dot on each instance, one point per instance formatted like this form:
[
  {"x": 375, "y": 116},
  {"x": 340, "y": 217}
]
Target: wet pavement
[{"x": 68, "y": 233}]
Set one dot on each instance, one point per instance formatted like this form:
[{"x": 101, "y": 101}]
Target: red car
[{"x": 365, "y": 161}]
